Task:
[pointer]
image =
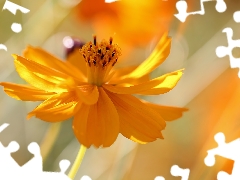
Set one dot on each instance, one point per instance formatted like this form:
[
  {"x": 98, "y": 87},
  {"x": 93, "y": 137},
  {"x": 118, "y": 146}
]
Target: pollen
[{"x": 101, "y": 54}]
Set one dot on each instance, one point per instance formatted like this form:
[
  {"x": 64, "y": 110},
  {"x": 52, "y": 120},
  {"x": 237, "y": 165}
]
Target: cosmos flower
[{"x": 97, "y": 95}]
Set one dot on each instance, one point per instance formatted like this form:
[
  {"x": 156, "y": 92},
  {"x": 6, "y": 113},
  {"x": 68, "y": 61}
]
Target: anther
[
  {"x": 102, "y": 55},
  {"x": 104, "y": 63},
  {"x": 113, "y": 54},
  {"x": 95, "y": 40},
  {"x": 94, "y": 62},
  {"x": 110, "y": 40},
  {"x": 114, "y": 62}
]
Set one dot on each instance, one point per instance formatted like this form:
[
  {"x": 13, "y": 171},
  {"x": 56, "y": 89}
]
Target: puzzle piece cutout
[
  {"x": 182, "y": 9},
  {"x": 33, "y": 169},
  {"x": 85, "y": 178},
  {"x": 177, "y": 171},
  {"x": 3, "y": 126},
  {"x": 228, "y": 150},
  {"x": 2, "y": 46},
  {"x": 110, "y": 1},
  {"x": 222, "y": 51},
  {"x": 16, "y": 27},
  {"x": 12, "y": 7}
]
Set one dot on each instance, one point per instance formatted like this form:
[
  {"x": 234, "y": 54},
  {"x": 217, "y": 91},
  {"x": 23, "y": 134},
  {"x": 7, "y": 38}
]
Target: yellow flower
[{"x": 99, "y": 97}]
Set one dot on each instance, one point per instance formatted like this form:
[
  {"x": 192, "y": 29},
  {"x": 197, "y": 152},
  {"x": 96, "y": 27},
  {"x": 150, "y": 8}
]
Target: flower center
[{"x": 100, "y": 58}]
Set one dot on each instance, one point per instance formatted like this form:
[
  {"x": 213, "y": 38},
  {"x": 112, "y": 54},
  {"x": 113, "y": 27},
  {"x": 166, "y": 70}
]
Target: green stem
[{"x": 77, "y": 162}]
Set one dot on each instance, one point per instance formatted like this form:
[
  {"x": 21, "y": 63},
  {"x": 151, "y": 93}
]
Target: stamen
[
  {"x": 95, "y": 40},
  {"x": 100, "y": 54},
  {"x": 100, "y": 58},
  {"x": 110, "y": 40}
]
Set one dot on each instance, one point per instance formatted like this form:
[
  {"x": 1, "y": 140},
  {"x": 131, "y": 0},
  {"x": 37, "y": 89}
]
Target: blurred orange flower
[
  {"x": 97, "y": 95},
  {"x": 133, "y": 21}
]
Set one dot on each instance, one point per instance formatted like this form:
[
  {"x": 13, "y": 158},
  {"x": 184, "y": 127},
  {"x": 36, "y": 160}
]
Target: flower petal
[
  {"x": 167, "y": 85},
  {"x": 138, "y": 122},
  {"x": 168, "y": 113},
  {"x": 59, "y": 107},
  {"x": 41, "y": 76},
  {"x": 158, "y": 85},
  {"x": 25, "y": 92},
  {"x": 156, "y": 58},
  {"x": 118, "y": 75},
  {"x": 77, "y": 60},
  {"x": 44, "y": 58},
  {"x": 97, "y": 124},
  {"x": 88, "y": 94}
]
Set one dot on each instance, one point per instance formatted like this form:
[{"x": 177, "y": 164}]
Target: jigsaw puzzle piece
[
  {"x": 222, "y": 51},
  {"x": 210, "y": 158},
  {"x": 156, "y": 178},
  {"x": 5, "y": 125},
  {"x": 64, "y": 165},
  {"x": 2, "y": 46},
  {"x": 181, "y": 6},
  {"x": 224, "y": 176},
  {"x": 236, "y": 16},
  {"x": 12, "y": 7},
  {"x": 182, "y": 11},
  {"x": 85, "y": 177},
  {"x": 177, "y": 171},
  {"x": 33, "y": 169},
  {"x": 228, "y": 150},
  {"x": 7, "y": 163},
  {"x": 35, "y": 162},
  {"x": 221, "y": 6}
]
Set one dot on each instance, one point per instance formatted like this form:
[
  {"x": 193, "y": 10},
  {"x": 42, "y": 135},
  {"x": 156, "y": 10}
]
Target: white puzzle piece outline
[
  {"x": 177, "y": 171},
  {"x": 111, "y": 1},
  {"x": 222, "y": 51},
  {"x": 229, "y": 150},
  {"x": 3, "y": 126},
  {"x": 33, "y": 169},
  {"x": 12, "y": 7},
  {"x": 3, "y": 47},
  {"x": 181, "y": 6}
]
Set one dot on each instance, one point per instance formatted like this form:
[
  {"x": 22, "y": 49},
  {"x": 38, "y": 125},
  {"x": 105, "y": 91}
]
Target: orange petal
[
  {"x": 167, "y": 85},
  {"x": 163, "y": 84},
  {"x": 118, "y": 75},
  {"x": 88, "y": 94},
  {"x": 41, "y": 76},
  {"x": 157, "y": 57},
  {"x": 168, "y": 113},
  {"x": 25, "y": 92},
  {"x": 46, "y": 59},
  {"x": 77, "y": 60},
  {"x": 138, "y": 122},
  {"x": 57, "y": 108},
  {"x": 97, "y": 124}
]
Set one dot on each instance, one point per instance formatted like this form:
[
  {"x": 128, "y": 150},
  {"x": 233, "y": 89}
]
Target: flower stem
[{"x": 77, "y": 162}]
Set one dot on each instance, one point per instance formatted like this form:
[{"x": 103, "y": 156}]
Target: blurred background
[{"x": 209, "y": 87}]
